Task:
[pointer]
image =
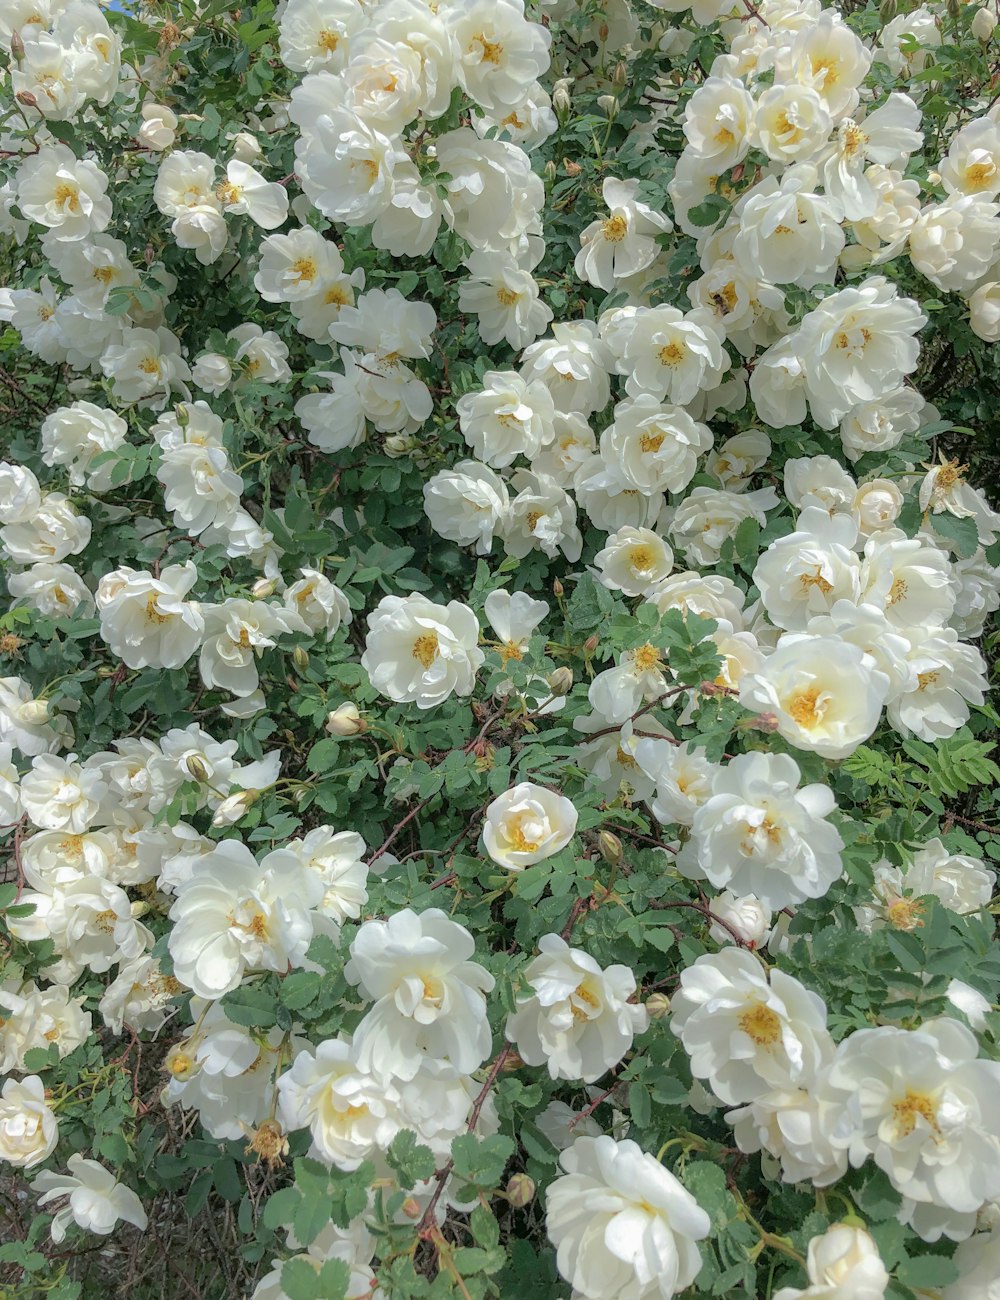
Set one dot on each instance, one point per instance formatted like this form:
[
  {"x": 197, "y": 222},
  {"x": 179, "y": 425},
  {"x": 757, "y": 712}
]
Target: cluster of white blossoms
[{"x": 684, "y": 388}]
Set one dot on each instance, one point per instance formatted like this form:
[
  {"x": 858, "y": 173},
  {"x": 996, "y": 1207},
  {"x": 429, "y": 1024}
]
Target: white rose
[
  {"x": 28, "y": 1128},
  {"x": 527, "y": 824},
  {"x": 418, "y": 652}
]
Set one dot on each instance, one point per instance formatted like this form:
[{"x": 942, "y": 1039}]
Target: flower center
[
  {"x": 807, "y": 580},
  {"x": 761, "y": 1024},
  {"x": 912, "y": 1107},
  {"x": 926, "y": 679},
  {"x": 614, "y": 229},
  {"x": 68, "y": 196},
  {"x": 492, "y": 50},
  {"x": 651, "y": 441},
  {"x": 671, "y": 354},
  {"x": 153, "y": 614},
  {"x": 425, "y": 649},
  {"x": 328, "y": 41},
  {"x": 804, "y": 707},
  {"x": 640, "y": 559},
  {"x": 645, "y": 657},
  {"x": 305, "y": 268},
  {"x": 904, "y": 914},
  {"x": 507, "y": 297}
]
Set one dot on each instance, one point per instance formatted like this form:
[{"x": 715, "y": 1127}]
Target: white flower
[
  {"x": 747, "y": 916},
  {"x": 984, "y": 312},
  {"x": 245, "y": 191},
  {"x": 670, "y": 354},
  {"x": 633, "y": 561},
  {"x": 950, "y": 675},
  {"x": 28, "y": 1128},
  {"x": 791, "y": 123},
  {"x": 881, "y": 424},
  {"x": 498, "y": 51},
  {"x": 504, "y": 296},
  {"x": 232, "y": 914},
  {"x": 655, "y": 447},
  {"x": 467, "y": 504},
  {"x": 708, "y": 517},
  {"x": 759, "y": 834},
  {"x": 97, "y": 1201},
  {"x": 827, "y": 56},
  {"x": 844, "y": 1261},
  {"x": 955, "y": 243},
  {"x": 337, "y": 859},
  {"x": 350, "y": 1113},
  {"x": 621, "y": 1223},
  {"x": 574, "y": 364},
  {"x": 419, "y": 652},
  {"x": 924, "y": 1107},
  {"x": 27, "y": 724},
  {"x": 886, "y": 136},
  {"x": 527, "y": 824},
  {"x": 319, "y": 603},
  {"x": 790, "y": 1125},
  {"x": 345, "y": 166},
  {"x": 808, "y": 571},
  {"x": 622, "y": 244},
  {"x": 60, "y": 795},
  {"x": 683, "y": 777},
  {"x": 855, "y": 346},
  {"x": 146, "y": 367},
  {"x": 826, "y": 694},
  {"x": 789, "y": 234},
  {"x": 159, "y": 126},
  {"x": 507, "y": 418},
  {"x": 147, "y": 621},
  {"x": 972, "y": 163},
  {"x": 20, "y": 494},
  {"x": 976, "y": 597},
  {"x": 744, "y": 1034},
  {"x": 74, "y": 435},
  {"x": 67, "y": 195},
  {"x": 909, "y": 579},
  {"x": 542, "y": 515},
  {"x": 315, "y": 34},
  {"x": 574, "y": 1018},
  {"x": 737, "y": 458},
  {"x": 52, "y": 533},
  {"x": 139, "y": 996},
  {"x": 718, "y": 121},
  {"x": 427, "y": 994},
  {"x": 978, "y": 1261},
  {"x": 201, "y": 488}
]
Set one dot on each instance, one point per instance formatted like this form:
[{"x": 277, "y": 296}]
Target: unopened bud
[
  {"x": 551, "y": 171},
  {"x": 411, "y": 1208},
  {"x": 16, "y": 46},
  {"x": 511, "y": 1063},
  {"x": 263, "y": 588},
  {"x": 981, "y": 26},
  {"x": 571, "y": 168},
  {"x": 35, "y": 712},
  {"x": 657, "y": 1005},
  {"x": 183, "y": 415},
  {"x": 557, "y": 589},
  {"x": 300, "y": 658},
  {"x": 520, "y": 1191},
  {"x": 560, "y": 96},
  {"x": 766, "y": 722},
  {"x": 609, "y": 103},
  {"x": 345, "y": 720},
  {"x": 611, "y": 848},
  {"x": 149, "y": 254},
  {"x": 620, "y": 75},
  {"x": 590, "y": 645},
  {"x": 26, "y": 98},
  {"x": 196, "y": 767},
  {"x": 236, "y": 806},
  {"x": 398, "y": 444},
  {"x": 180, "y": 1062},
  {"x": 887, "y": 11},
  {"x": 561, "y": 681},
  {"x": 954, "y": 8}
]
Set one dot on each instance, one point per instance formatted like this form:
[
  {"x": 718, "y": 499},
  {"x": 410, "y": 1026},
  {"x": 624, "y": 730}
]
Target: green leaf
[
  {"x": 300, "y": 1280},
  {"x": 962, "y": 533},
  {"x": 707, "y": 1184},
  {"x": 411, "y": 1161},
  {"x": 299, "y": 989},
  {"x": 481, "y": 1161},
  {"x": 927, "y": 1272}
]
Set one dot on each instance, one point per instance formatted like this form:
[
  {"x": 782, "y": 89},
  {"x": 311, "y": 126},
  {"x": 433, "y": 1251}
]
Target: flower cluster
[{"x": 495, "y": 760}]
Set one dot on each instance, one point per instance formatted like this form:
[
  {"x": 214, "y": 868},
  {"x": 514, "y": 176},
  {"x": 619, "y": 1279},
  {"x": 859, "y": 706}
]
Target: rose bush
[{"x": 496, "y": 773}]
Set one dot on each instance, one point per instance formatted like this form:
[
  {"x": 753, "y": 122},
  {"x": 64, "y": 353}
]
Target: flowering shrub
[{"x": 494, "y": 762}]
